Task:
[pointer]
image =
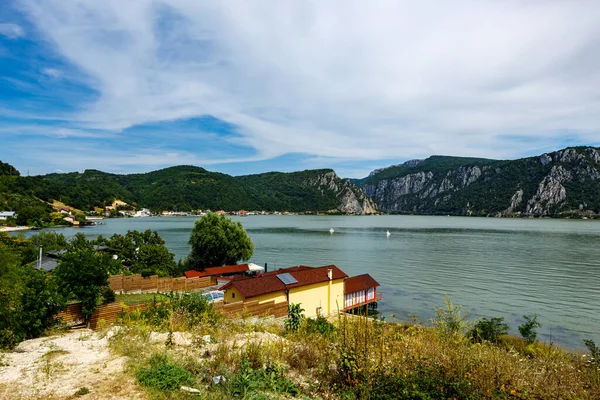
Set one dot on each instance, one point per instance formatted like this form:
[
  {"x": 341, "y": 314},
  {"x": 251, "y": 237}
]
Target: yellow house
[{"x": 319, "y": 291}]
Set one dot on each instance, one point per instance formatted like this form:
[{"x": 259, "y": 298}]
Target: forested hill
[
  {"x": 552, "y": 184},
  {"x": 185, "y": 188}
]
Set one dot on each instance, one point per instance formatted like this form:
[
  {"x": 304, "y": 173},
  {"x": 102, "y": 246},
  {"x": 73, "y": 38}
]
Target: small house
[
  {"x": 7, "y": 214},
  {"x": 359, "y": 291},
  {"x": 319, "y": 291}
]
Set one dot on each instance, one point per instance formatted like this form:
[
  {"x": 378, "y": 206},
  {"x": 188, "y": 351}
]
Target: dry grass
[{"x": 364, "y": 358}]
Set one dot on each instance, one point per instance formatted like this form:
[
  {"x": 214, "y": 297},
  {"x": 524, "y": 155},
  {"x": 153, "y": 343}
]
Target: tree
[
  {"x": 28, "y": 301},
  {"x": 217, "y": 240},
  {"x": 83, "y": 273},
  {"x": 31, "y": 215},
  {"x": 528, "y": 328},
  {"x": 11, "y": 289},
  {"x": 79, "y": 242},
  {"x": 144, "y": 252},
  {"x": 489, "y": 329},
  {"x": 49, "y": 241}
]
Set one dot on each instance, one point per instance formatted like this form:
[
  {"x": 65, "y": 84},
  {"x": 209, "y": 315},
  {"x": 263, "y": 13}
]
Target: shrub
[
  {"x": 319, "y": 325},
  {"x": 489, "y": 329},
  {"x": 163, "y": 374},
  {"x": 528, "y": 328},
  {"x": 108, "y": 295},
  {"x": 450, "y": 320},
  {"x": 295, "y": 317},
  {"x": 270, "y": 379}
]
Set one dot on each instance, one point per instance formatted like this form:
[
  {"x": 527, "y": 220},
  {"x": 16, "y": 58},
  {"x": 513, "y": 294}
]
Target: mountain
[
  {"x": 552, "y": 184},
  {"x": 186, "y": 188},
  {"x": 309, "y": 190}
]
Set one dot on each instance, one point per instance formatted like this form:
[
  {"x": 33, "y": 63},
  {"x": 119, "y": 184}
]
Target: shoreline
[{"x": 14, "y": 228}]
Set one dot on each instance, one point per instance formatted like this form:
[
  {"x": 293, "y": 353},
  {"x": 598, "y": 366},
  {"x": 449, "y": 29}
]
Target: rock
[
  {"x": 352, "y": 199},
  {"x": 218, "y": 379},
  {"x": 207, "y": 339},
  {"x": 550, "y": 191},
  {"x": 190, "y": 390},
  {"x": 515, "y": 201},
  {"x": 545, "y": 159}
]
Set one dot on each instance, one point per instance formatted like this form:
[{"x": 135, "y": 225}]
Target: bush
[
  {"x": 319, "y": 325},
  {"x": 450, "y": 320},
  {"x": 270, "y": 379},
  {"x": 108, "y": 295},
  {"x": 489, "y": 329},
  {"x": 163, "y": 374},
  {"x": 295, "y": 317},
  {"x": 528, "y": 328}
]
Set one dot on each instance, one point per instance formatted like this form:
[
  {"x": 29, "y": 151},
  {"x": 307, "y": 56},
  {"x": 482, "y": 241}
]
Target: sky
[{"x": 246, "y": 87}]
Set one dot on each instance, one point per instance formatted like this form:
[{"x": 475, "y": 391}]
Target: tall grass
[{"x": 356, "y": 357}]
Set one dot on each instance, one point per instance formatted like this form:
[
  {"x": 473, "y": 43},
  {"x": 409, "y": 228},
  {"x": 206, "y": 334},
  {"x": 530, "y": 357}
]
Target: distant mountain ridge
[
  {"x": 187, "y": 188},
  {"x": 561, "y": 183},
  {"x": 552, "y": 184}
]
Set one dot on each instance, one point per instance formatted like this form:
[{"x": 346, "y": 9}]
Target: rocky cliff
[
  {"x": 351, "y": 198},
  {"x": 565, "y": 181}
]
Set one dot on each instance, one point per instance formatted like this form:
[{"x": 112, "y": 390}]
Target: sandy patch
[{"x": 56, "y": 367}]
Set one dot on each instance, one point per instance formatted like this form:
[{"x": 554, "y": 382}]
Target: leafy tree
[
  {"x": 529, "y": 328},
  {"x": 11, "y": 289},
  {"x": 489, "y": 329},
  {"x": 41, "y": 301},
  {"x": 28, "y": 301},
  {"x": 217, "y": 240},
  {"x": 83, "y": 273},
  {"x": 49, "y": 241},
  {"x": 79, "y": 242},
  {"x": 32, "y": 215},
  {"x": 144, "y": 252}
]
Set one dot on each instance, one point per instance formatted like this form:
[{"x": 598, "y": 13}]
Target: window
[{"x": 232, "y": 295}]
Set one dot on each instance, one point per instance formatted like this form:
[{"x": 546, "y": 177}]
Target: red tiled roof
[
  {"x": 227, "y": 269},
  {"x": 269, "y": 282},
  {"x": 358, "y": 283}
]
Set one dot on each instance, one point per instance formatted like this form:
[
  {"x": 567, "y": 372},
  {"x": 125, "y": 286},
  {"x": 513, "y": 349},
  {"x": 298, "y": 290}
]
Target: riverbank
[
  {"x": 154, "y": 356},
  {"x": 14, "y": 228}
]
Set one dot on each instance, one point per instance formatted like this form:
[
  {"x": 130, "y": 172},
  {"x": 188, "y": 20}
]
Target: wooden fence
[
  {"x": 253, "y": 308},
  {"x": 109, "y": 313},
  {"x": 71, "y": 315},
  {"x": 131, "y": 283}
]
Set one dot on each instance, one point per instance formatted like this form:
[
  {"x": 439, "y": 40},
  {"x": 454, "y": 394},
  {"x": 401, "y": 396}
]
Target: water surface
[{"x": 494, "y": 267}]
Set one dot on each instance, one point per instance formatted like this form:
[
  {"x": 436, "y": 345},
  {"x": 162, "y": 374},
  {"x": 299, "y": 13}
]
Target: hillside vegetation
[{"x": 186, "y": 188}]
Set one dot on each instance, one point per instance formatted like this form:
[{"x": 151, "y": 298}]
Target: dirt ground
[{"x": 57, "y": 367}]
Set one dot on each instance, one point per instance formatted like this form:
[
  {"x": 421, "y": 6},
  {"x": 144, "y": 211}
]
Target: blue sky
[{"x": 246, "y": 87}]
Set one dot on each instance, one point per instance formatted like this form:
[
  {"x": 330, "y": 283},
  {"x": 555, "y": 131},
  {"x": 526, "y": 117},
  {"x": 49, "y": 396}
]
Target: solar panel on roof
[{"x": 286, "y": 278}]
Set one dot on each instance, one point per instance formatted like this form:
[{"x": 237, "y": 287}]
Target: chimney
[
  {"x": 265, "y": 267},
  {"x": 330, "y": 274}
]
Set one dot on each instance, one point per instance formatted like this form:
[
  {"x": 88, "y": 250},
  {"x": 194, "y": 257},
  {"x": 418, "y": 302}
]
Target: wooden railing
[{"x": 376, "y": 298}]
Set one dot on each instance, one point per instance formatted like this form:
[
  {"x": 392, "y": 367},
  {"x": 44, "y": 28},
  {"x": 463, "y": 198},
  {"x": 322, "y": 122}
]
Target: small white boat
[
  {"x": 387, "y": 233},
  {"x": 331, "y": 230}
]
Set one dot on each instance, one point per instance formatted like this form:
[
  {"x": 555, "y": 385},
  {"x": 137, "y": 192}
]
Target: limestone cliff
[
  {"x": 351, "y": 198},
  {"x": 551, "y": 184}
]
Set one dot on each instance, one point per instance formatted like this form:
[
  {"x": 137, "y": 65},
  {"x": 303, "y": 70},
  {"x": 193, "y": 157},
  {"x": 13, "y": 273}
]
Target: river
[{"x": 493, "y": 267}]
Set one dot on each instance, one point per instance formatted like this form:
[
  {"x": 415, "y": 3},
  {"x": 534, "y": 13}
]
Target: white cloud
[
  {"x": 52, "y": 72},
  {"x": 11, "y": 31},
  {"x": 342, "y": 79}
]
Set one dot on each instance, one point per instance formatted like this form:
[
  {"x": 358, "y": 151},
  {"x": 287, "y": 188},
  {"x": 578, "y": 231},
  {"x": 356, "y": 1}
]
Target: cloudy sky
[{"x": 252, "y": 86}]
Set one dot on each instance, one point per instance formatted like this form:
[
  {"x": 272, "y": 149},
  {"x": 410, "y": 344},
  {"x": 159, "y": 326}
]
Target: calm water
[{"x": 494, "y": 267}]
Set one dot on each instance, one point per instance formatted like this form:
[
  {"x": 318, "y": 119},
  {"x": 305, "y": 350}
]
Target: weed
[
  {"x": 81, "y": 392},
  {"x": 163, "y": 374}
]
